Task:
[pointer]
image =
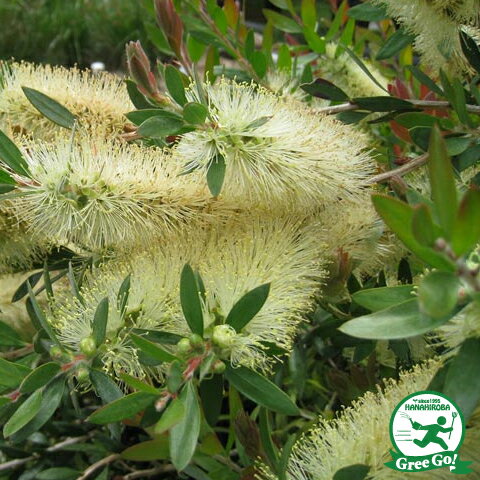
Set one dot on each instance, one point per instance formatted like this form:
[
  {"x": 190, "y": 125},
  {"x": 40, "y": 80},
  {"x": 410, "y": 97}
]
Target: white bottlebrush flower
[
  {"x": 281, "y": 251},
  {"x": 231, "y": 261},
  {"x": 360, "y": 435},
  {"x": 98, "y": 100},
  {"x": 101, "y": 193},
  {"x": 437, "y": 25},
  {"x": 343, "y": 72},
  {"x": 18, "y": 250},
  {"x": 278, "y": 155},
  {"x": 283, "y": 85}
]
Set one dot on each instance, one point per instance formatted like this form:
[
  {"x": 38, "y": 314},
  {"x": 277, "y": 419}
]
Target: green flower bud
[
  {"x": 196, "y": 340},
  {"x": 56, "y": 352},
  {"x": 219, "y": 367},
  {"x": 82, "y": 375},
  {"x": 184, "y": 346},
  {"x": 223, "y": 336},
  {"x": 88, "y": 346}
]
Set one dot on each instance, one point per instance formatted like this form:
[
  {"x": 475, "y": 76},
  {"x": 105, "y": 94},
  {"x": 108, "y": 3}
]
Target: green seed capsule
[{"x": 184, "y": 346}]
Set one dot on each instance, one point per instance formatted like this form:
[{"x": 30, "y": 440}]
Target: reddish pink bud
[
  {"x": 139, "y": 68},
  {"x": 171, "y": 24}
]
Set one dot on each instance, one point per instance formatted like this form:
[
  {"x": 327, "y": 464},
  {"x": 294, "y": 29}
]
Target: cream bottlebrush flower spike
[
  {"x": 361, "y": 435},
  {"x": 278, "y": 154},
  {"x": 98, "y": 100},
  {"x": 347, "y": 75},
  {"x": 282, "y": 251},
  {"x": 152, "y": 303},
  {"x": 100, "y": 193},
  {"x": 18, "y": 250},
  {"x": 437, "y": 25},
  {"x": 231, "y": 263}
]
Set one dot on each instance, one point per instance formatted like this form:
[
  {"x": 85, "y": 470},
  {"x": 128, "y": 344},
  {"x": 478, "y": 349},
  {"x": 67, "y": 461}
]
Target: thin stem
[
  {"x": 101, "y": 463},
  {"x": 345, "y": 107},
  {"x": 17, "y": 353},
  {"x": 398, "y": 172}
]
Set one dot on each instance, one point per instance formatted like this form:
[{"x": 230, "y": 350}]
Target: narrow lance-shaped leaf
[
  {"x": 100, "y": 320},
  {"x": 174, "y": 83},
  {"x": 261, "y": 390},
  {"x": 151, "y": 349},
  {"x": 50, "y": 108},
  {"x": 190, "y": 300},
  {"x": 398, "y": 216},
  {"x": 442, "y": 181},
  {"x": 380, "y": 298},
  {"x": 397, "y": 322},
  {"x": 41, "y": 318},
  {"x": 322, "y": 88},
  {"x": 39, "y": 377},
  {"x": 24, "y": 414},
  {"x": 123, "y": 293},
  {"x": 124, "y": 407},
  {"x": 195, "y": 113},
  {"x": 172, "y": 415},
  {"x": 247, "y": 307},
  {"x": 184, "y": 435},
  {"x": 466, "y": 230},
  {"x": 11, "y": 156},
  {"x": 438, "y": 293},
  {"x": 216, "y": 174}
]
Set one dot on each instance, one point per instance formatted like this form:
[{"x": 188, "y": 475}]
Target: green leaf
[
  {"x": 425, "y": 80},
  {"x": 124, "y": 407},
  {"x": 184, "y": 435},
  {"x": 442, "y": 181},
  {"x": 382, "y": 104},
  {"x": 172, "y": 415},
  {"x": 308, "y": 12},
  {"x": 50, "y": 108},
  {"x": 394, "y": 44},
  {"x": 375, "y": 299},
  {"x": 100, "y": 319},
  {"x": 415, "y": 119},
  {"x": 195, "y": 113},
  {"x": 12, "y": 374},
  {"x": 137, "y": 117},
  {"x": 466, "y": 230},
  {"x": 397, "y": 322},
  {"x": 105, "y": 387},
  {"x": 366, "y": 12},
  {"x": 137, "y": 384},
  {"x": 156, "y": 449},
  {"x": 52, "y": 396},
  {"x": 352, "y": 472},
  {"x": 399, "y": 216},
  {"x": 471, "y": 50},
  {"x": 266, "y": 436},
  {"x": 174, "y": 83},
  {"x": 261, "y": 390},
  {"x": 9, "y": 337},
  {"x": 247, "y": 307},
  {"x": 284, "y": 61},
  {"x": 423, "y": 228},
  {"x": 216, "y": 174},
  {"x": 24, "y": 414},
  {"x": 462, "y": 383},
  {"x": 314, "y": 41},
  {"x": 363, "y": 67},
  {"x": 161, "y": 125},
  {"x": 211, "y": 394},
  {"x": 438, "y": 293},
  {"x": 123, "y": 294},
  {"x": 195, "y": 48},
  {"x": 58, "y": 473},
  {"x": 151, "y": 349},
  {"x": 285, "y": 457},
  {"x": 281, "y": 22},
  {"x": 190, "y": 300},
  {"x": 11, "y": 156},
  {"x": 41, "y": 318},
  {"x": 259, "y": 63},
  {"x": 138, "y": 100},
  {"x": 6, "y": 180},
  {"x": 175, "y": 377},
  {"x": 322, "y": 88},
  {"x": 39, "y": 377}
]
